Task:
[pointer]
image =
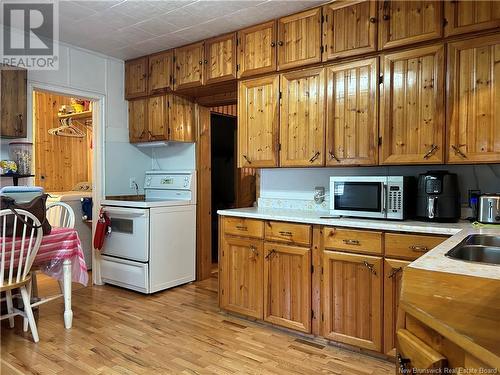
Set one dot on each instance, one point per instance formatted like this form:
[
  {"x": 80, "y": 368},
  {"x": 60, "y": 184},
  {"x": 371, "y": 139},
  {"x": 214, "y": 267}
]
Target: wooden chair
[
  {"x": 60, "y": 215},
  {"x": 17, "y": 276}
]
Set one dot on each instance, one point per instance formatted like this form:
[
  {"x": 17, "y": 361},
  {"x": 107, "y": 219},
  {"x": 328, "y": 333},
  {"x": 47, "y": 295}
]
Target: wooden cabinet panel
[
  {"x": 464, "y": 16},
  {"x": 137, "y": 120},
  {"x": 13, "y": 102},
  {"x": 158, "y": 118},
  {"x": 412, "y": 105},
  {"x": 220, "y": 58},
  {"x": 287, "y": 286},
  {"x": 418, "y": 354},
  {"x": 358, "y": 241},
  {"x": 474, "y": 100},
  {"x": 352, "y": 299},
  {"x": 241, "y": 272},
  {"x": 393, "y": 271},
  {"x": 302, "y": 121},
  {"x": 410, "y": 246},
  {"x": 406, "y": 22},
  {"x": 257, "y": 49},
  {"x": 299, "y": 39},
  {"x": 182, "y": 119},
  {"x": 136, "y": 78},
  {"x": 258, "y": 122},
  {"x": 350, "y": 28},
  {"x": 299, "y": 234},
  {"x": 352, "y": 113},
  {"x": 160, "y": 72},
  {"x": 189, "y": 66},
  {"x": 240, "y": 226}
]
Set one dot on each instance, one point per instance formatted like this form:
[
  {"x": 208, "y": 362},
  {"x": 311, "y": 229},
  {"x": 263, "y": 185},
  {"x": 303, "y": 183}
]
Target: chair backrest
[
  {"x": 60, "y": 215},
  {"x": 17, "y": 254}
]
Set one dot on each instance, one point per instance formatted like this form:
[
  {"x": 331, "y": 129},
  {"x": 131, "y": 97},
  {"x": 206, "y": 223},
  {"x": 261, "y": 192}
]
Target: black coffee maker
[{"x": 438, "y": 197}]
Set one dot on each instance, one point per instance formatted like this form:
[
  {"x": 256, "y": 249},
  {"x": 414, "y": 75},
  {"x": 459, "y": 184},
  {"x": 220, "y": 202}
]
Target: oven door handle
[{"x": 126, "y": 212}]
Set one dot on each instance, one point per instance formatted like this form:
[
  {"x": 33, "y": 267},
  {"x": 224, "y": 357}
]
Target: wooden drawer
[
  {"x": 409, "y": 246},
  {"x": 358, "y": 241},
  {"x": 239, "y": 226},
  {"x": 416, "y": 354},
  {"x": 299, "y": 234}
]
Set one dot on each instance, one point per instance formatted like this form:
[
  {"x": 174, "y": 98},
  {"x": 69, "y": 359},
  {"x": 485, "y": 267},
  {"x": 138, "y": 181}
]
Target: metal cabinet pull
[
  {"x": 273, "y": 44},
  {"x": 419, "y": 248},
  {"x": 315, "y": 156},
  {"x": 247, "y": 159},
  {"x": 205, "y": 61},
  {"x": 370, "y": 267},
  {"x": 285, "y": 233},
  {"x": 394, "y": 272},
  {"x": 373, "y": 19},
  {"x": 431, "y": 151},
  {"x": 458, "y": 151},
  {"x": 241, "y": 227},
  {"x": 201, "y": 62},
  {"x": 351, "y": 242},
  {"x": 332, "y": 156},
  {"x": 254, "y": 250},
  {"x": 280, "y": 43},
  {"x": 273, "y": 251}
]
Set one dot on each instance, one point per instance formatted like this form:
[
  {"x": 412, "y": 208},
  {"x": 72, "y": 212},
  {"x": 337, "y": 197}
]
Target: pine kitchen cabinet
[
  {"x": 349, "y": 28},
  {"x": 158, "y": 124},
  {"x": 412, "y": 107},
  {"x": 352, "y": 113},
  {"x": 302, "y": 120},
  {"x": 257, "y": 49},
  {"x": 136, "y": 78},
  {"x": 160, "y": 77},
  {"x": 189, "y": 63},
  {"x": 406, "y": 22},
  {"x": 137, "y": 120},
  {"x": 258, "y": 122},
  {"x": 473, "y": 100},
  {"x": 13, "y": 102},
  {"x": 299, "y": 39},
  {"x": 181, "y": 119},
  {"x": 220, "y": 59},
  {"x": 463, "y": 16}
]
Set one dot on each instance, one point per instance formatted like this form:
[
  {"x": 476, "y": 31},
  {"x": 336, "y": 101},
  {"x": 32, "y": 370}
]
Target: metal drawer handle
[
  {"x": 284, "y": 233},
  {"x": 332, "y": 156},
  {"x": 351, "y": 242},
  {"x": 273, "y": 251},
  {"x": 247, "y": 159},
  {"x": 419, "y": 248},
  {"x": 315, "y": 156},
  {"x": 254, "y": 250},
  {"x": 431, "y": 151},
  {"x": 458, "y": 151},
  {"x": 370, "y": 267},
  {"x": 241, "y": 227},
  {"x": 394, "y": 272}
]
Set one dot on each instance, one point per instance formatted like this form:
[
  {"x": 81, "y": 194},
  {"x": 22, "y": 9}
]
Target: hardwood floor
[{"x": 180, "y": 331}]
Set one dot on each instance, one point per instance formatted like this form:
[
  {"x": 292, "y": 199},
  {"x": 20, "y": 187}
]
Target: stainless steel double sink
[{"x": 479, "y": 248}]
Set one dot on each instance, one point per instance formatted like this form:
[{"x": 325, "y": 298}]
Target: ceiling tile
[{"x": 156, "y": 26}]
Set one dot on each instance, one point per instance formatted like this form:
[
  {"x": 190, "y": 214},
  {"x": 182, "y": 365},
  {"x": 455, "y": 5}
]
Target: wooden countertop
[{"x": 464, "y": 309}]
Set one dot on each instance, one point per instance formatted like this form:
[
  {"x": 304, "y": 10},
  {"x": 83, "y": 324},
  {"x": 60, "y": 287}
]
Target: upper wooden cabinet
[
  {"x": 464, "y": 16},
  {"x": 137, "y": 120},
  {"x": 182, "y": 119},
  {"x": 350, "y": 28},
  {"x": 258, "y": 122},
  {"x": 158, "y": 118},
  {"x": 136, "y": 78},
  {"x": 474, "y": 100},
  {"x": 352, "y": 113},
  {"x": 302, "y": 120},
  {"x": 412, "y": 119},
  {"x": 299, "y": 39},
  {"x": 257, "y": 49},
  {"x": 160, "y": 76},
  {"x": 13, "y": 102},
  {"x": 189, "y": 62},
  {"x": 406, "y": 22},
  {"x": 220, "y": 58}
]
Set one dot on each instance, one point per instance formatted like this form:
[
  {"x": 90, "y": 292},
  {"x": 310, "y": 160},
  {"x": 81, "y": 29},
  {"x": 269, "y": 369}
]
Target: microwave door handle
[
  {"x": 431, "y": 207},
  {"x": 490, "y": 210},
  {"x": 384, "y": 198}
]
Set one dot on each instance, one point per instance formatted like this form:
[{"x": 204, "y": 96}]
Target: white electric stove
[{"x": 152, "y": 244}]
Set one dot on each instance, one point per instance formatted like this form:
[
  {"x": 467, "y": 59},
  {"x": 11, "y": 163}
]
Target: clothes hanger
[{"x": 67, "y": 129}]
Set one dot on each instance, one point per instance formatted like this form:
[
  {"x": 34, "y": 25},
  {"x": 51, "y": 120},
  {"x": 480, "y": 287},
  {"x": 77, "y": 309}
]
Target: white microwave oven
[{"x": 379, "y": 197}]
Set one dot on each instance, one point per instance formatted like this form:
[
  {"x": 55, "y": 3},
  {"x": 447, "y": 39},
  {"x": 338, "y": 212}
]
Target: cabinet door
[
  {"x": 349, "y": 29},
  {"x": 136, "y": 78},
  {"x": 473, "y": 100},
  {"x": 181, "y": 119},
  {"x": 393, "y": 272},
  {"x": 412, "y": 119},
  {"x": 257, "y": 49},
  {"x": 189, "y": 66},
  {"x": 299, "y": 39},
  {"x": 352, "y": 299},
  {"x": 405, "y": 22},
  {"x": 158, "y": 118},
  {"x": 287, "y": 286},
  {"x": 160, "y": 72},
  {"x": 258, "y": 122},
  {"x": 220, "y": 58},
  {"x": 137, "y": 120},
  {"x": 241, "y": 280},
  {"x": 464, "y": 16},
  {"x": 13, "y": 102},
  {"x": 352, "y": 113},
  {"x": 302, "y": 121}
]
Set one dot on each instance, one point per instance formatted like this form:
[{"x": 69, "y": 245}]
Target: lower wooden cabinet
[
  {"x": 240, "y": 273},
  {"x": 352, "y": 299},
  {"x": 287, "y": 286}
]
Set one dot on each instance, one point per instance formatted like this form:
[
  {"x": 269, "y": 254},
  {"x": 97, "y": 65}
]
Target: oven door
[
  {"x": 358, "y": 196},
  {"x": 129, "y": 237}
]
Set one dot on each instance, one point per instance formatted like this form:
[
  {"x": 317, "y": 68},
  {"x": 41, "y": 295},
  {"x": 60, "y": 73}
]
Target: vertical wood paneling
[
  {"x": 189, "y": 70},
  {"x": 136, "y": 78},
  {"x": 257, "y": 49},
  {"x": 182, "y": 119},
  {"x": 137, "y": 120},
  {"x": 464, "y": 16},
  {"x": 229, "y": 110},
  {"x": 160, "y": 76},
  {"x": 220, "y": 58},
  {"x": 158, "y": 121}
]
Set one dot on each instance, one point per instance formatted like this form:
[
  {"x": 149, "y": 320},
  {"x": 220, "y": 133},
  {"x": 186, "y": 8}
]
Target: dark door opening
[{"x": 223, "y": 143}]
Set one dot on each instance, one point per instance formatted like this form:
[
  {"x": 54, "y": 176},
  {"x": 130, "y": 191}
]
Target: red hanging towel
[{"x": 102, "y": 228}]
